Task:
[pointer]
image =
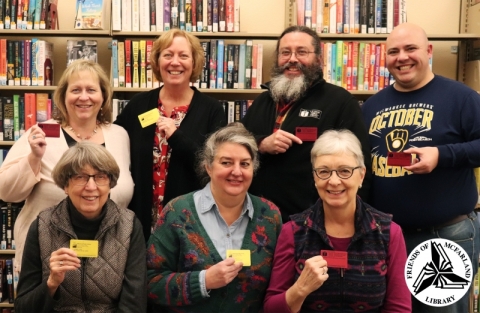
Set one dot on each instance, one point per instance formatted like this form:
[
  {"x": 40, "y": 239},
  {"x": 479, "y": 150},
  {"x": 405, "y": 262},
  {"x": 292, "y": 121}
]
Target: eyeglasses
[
  {"x": 101, "y": 179},
  {"x": 343, "y": 173},
  {"x": 299, "y": 54}
]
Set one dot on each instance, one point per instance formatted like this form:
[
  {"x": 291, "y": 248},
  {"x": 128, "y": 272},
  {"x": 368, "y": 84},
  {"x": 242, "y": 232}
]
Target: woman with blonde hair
[
  {"x": 83, "y": 100},
  {"x": 163, "y": 154}
]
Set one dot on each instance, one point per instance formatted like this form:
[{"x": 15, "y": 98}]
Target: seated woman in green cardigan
[{"x": 190, "y": 265}]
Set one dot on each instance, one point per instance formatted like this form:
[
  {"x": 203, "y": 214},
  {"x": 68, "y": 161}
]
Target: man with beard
[{"x": 287, "y": 119}]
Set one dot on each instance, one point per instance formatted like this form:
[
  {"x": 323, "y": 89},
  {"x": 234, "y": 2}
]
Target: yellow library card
[
  {"x": 85, "y": 248},
  {"x": 240, "y": 256},
  {"x": 148, "y": 118}
]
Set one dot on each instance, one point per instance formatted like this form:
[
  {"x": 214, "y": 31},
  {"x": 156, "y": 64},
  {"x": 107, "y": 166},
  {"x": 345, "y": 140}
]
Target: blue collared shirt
[{"x": 224, "y": 237}]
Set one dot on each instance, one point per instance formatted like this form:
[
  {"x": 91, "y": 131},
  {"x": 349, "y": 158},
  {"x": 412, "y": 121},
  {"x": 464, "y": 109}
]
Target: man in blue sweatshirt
[{"x": 438, "y": 120}]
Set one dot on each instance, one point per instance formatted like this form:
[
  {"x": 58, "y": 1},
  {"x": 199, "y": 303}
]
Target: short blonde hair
[
  {"x": 165, "y": 40},
  {"x": 82, "y": 154},
  {"x": 336, "y": 142},
  {"x": 105, "y": 114}
]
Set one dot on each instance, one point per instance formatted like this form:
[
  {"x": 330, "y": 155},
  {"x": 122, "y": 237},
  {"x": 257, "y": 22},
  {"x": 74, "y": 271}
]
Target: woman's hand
[
  {"x": 222, "y": 273},
  {"x": 61, "y": 261},
  {"x": 313, "y": 275},
  {"x": 38, "y": 146},
  {"x": 166, "y": 126}
]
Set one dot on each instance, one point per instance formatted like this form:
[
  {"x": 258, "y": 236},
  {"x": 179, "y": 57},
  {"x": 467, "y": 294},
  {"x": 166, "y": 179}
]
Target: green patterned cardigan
[{"x": 180, "y": 248}]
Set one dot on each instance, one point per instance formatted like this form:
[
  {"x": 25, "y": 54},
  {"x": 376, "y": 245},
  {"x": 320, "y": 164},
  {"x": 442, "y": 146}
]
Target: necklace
[{"x": 85, "y": 138}]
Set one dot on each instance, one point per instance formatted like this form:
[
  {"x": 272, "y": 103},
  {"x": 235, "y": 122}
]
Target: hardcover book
[{"x": 90, "y": 14}]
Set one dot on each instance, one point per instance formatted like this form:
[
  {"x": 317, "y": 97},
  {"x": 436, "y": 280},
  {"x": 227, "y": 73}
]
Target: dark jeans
[{"x": 466, "y": 235}]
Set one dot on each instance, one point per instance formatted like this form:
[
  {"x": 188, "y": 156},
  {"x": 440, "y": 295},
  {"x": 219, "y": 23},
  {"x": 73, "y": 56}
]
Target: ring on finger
[
  {"x": 324, "y": 270},
  {"x": 33, "y": 137},
  {"x": 61, "y": 263}
]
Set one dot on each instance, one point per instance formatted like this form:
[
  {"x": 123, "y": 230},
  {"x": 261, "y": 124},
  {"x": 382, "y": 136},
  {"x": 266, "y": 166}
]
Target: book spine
[
  {"x": 10, "y": 63},
  {"x": 115, "y": 62},
  {"x": 204, "y": 81},
  {"x": 167, "y": 15},
  {"x": 220, "y": 56},
  {"x": 8, "y": 116},
  {"x": 215, "y": 15},
  {"x": 149, "y": 46},
  {"x": 236, "y": 15},
  {"x": 209, "y": 17},
  {"x": 135, "y": 56},
  {"x": 349, "y": 65},
  {"x": 339, "y": 63},
  {"x": 9, "y": 271},
  {"x": 13, "y": 14},
  {"x": 116, "y": 15},
  {"x": 221, "y": 16},
  {"x": 213, "y": 64},
  {"x": 30, "y": 110},
  {"x": 19, "y": 18},
  {"x": 259, "y": 66},
  {"x": 326, "y": 16},
  {"x": 38, "y": 11},
  {"x": 230, "y": 55},
  {"x": 23, "y": 60},
  {"x": 7, "y": 14},
  {"x": 17, "y": 62},
  {"x": 16, "y": 123},
  {"x": 241, "y": 67},
  {"x": 236, "y": 59},
  {"x": 238, "y": 110},
  {"x": 355, "y": 54},
  {"x": 371, "y": 16},
  {"x": 328, "y": 62},
  {"x": 230, "y": 111},
  {"x": 381, "y": 80},
  {"x": 378, "y": 16},
  {"x": 42, "y": 107},
  {"x": 346, "y": 16},
  {"x": 159, "y": 15},
  {"x": 126, "y": 15},
  {"x": 181, "y": 14},
  {"x": 248, "y": 64},
  {"x": 3, "y": 245},
  {"x": 2, "y": 16},
  {"x": 43, "y": 14},
  {"x": 1, "y": 122},
  {"x": 254, "y": 66},
  {"x": 363, "y": 16},
  {"x": 225, "y": 66},
  {"x": 314, "y": 15},
  {"x": 300, "y": 12},
  {"x": 143, "y": 63},
  {"x": 366, "y": 65},
  {"x": 371, "y": 70},
  {"x": 339, "y": 17},
  {"x": 174, "y": 11},
  {"x": 344, "y": 64},
  {"x": 308, "y": 14},
  {"x": 188, "y": 15},
  {"x": 230, "y": 15},
  {"x": 153, "y": 15},
  {"x": 396, "y": 12},
  {"x": 389, "y": 16},
  {"x": 28, "y": 62},
  {"x": 21, "y": 115},
  {"x": 144, "y": 15},
  {"x": 135, "y": 15},
  {"x": 128, "y": 63},
  {"x": 200, "y": 10},
  {"x": 194, "y": 14},
  {"x": 332, "y": 26}
]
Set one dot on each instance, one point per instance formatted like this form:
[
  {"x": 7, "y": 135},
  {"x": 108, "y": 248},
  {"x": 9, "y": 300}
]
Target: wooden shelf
[
  {"x": 8, "y": 251},
  {"x": 227, "y": 91},
  {"x": 34, "y": 88},
  {"x": 56, "y": 33},
  {"x": 431, "y": 37},
  {"x": 6, "y": 304},
  {"x": 229, "y": 35},
  {"x": 6, "y": 143}
]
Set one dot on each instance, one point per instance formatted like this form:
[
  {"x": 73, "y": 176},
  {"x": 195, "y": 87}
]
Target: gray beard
[{"x": 291, "y": 89}]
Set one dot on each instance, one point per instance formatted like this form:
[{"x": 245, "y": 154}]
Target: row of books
[
  {"x": 26, "y": 62},
  {"x": 28, "y": 14},
  {"x": 117, "y": 106},
  {"x": 351, "y": 16},
  {"x": 19, "y": 112},
  {"x": 235, "y": 110},
  {"x": 227, "y": 66},
  {"x": 8, "y": 216},
  {"x": 189, "y": 15},
  {"x": 355, "y": 65}
]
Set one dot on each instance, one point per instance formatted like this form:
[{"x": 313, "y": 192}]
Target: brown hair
[
  {"x": 165, "y": 40},
  {"x": 105, "y": 114}
]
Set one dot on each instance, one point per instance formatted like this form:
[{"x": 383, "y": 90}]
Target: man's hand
[
  {"x": 278, "y": 142},
  {"x": 427, "y": 160}
]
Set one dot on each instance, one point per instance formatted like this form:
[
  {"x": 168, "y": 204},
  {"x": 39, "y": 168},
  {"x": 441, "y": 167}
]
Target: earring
[{"x": 360, "y": 186}]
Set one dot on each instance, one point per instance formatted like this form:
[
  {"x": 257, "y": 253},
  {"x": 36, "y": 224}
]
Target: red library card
[
  {"x": 335, "y": 258},
  {"x": 306, "y": 133}
]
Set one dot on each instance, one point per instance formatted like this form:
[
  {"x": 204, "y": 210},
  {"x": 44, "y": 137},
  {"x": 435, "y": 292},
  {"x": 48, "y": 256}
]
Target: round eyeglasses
[
  {"x": 343, "y": 172},
  {"x": 82, "y": 179}
]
